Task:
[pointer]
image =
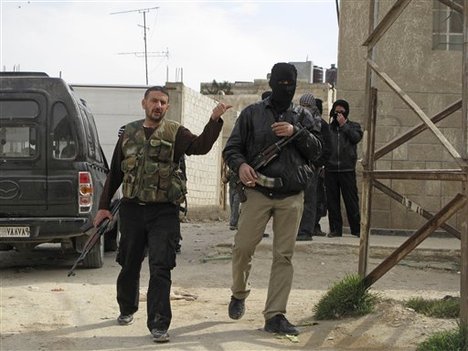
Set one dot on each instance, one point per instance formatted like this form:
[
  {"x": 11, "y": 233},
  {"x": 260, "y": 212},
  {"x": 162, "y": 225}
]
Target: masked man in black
[
  {"x": 275, "y": 190},
  {"x": 340, "y": 170}
]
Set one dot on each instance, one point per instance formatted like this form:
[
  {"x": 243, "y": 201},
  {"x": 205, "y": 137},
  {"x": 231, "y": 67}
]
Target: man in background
[
  {"x": 309, "y": 216},
  {"x": 340, "y": 170}
]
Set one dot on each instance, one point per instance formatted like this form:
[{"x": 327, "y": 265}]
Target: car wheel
[{"x": 95, "y": 257}]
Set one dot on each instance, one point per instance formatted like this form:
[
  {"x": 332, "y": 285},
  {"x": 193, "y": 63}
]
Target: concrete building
[
  {"x": 422, "y": 54},
  {"x": 305, "y": 71}
]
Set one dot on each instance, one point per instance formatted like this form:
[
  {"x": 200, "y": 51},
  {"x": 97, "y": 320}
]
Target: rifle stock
[{"x": 93, "y": 239}]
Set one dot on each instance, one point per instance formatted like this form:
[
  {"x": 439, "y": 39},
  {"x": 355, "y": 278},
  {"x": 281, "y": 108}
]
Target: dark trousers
[
  {"x": 342, "y": 183},
  {"x": 321, "y": 202},
  {"x": 307, "y": 225},
  {"x": 156, "y": 227}
]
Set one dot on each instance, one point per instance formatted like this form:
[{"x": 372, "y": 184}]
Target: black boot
[
  {"x": 280, "y": 325},
  {"x": 236, "y": 308}
]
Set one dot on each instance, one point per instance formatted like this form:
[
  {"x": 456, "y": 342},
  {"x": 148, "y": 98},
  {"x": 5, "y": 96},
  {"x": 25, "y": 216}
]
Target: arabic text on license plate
[{"x": 15, "y": 232}]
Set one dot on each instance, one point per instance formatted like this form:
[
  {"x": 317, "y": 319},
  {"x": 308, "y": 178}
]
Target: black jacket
[
  {"x": 325, "y": 137},
  {"x": 252, "y": 133},
  {"x": 343, "y": 149}
]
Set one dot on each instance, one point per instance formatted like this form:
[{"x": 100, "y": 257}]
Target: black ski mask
[
  {"x": 282, "y": 94},
  {"x": 342, "y": 103}
]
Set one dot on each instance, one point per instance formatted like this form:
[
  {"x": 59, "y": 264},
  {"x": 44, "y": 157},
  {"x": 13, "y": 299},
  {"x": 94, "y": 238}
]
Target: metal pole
[
  {"x": 146, "y": 51},
  {"x": 144, "y": 11}
]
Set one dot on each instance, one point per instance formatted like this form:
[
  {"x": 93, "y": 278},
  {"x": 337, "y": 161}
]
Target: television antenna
[{"x": 143, "y": 11}]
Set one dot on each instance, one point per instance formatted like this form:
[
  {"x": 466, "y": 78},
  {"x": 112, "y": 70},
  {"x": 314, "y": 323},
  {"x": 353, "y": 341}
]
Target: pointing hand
[{"x": 219, "y": 110}]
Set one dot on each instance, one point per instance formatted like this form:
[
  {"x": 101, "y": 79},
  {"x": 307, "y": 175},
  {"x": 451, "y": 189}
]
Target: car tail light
[{"x": 85, "y": 192}]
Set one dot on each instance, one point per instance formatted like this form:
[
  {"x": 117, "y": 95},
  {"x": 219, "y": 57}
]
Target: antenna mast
[{"x": 143, "y": 11}]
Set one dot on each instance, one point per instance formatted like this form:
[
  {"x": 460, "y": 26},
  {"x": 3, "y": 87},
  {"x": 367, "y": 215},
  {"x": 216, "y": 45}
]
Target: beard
[{"x": 155, "y": 116}]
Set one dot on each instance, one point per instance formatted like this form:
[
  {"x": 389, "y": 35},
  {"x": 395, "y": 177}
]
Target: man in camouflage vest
[{"x": 146, "y": 163}]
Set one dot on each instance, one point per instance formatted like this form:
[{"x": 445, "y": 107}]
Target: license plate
[{"x": 15, "y": 232}]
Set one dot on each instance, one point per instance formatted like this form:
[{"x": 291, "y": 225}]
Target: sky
[{"x": 86, "y": 43}]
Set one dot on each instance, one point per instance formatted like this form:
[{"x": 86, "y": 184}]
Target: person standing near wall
[
  {"x": 340, "y": 170},
  {"x": 259, "y": 126},
  {"x": 146, "y": 163},
  {"x": 308, "y": 220}
]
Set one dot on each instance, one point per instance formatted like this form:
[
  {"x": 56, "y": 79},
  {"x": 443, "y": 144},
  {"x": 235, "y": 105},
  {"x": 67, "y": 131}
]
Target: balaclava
[
  {"x": 342, "y": 103},
  {"x": 282, "y": 94}
]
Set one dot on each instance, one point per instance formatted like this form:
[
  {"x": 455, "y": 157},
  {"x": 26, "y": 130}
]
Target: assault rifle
[
  {"x": 102, "y": 228},
  {"x": 264, "y": 157}
]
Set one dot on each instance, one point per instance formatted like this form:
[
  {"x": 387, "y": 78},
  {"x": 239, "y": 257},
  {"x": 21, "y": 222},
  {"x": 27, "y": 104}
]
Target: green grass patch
[
  {"x": 347, "y": 298},
  {"x": 451, "y": 340},
  {"x": 448, "y": 307}
]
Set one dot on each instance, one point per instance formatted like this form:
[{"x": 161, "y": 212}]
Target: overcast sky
[{"x": 222, "y": 40}]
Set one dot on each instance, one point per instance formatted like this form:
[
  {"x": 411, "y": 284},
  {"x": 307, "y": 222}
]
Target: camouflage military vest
[{"x": 150, "y": 174}]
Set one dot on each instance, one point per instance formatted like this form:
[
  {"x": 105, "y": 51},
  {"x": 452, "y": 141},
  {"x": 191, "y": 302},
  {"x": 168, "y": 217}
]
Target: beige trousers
[{"x": 254, "y": 216}]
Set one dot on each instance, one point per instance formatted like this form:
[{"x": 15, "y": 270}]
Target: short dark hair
[{"x": 157, "y": 88}]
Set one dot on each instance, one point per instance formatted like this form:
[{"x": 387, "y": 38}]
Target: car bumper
[{"x": 33, "y": 229}]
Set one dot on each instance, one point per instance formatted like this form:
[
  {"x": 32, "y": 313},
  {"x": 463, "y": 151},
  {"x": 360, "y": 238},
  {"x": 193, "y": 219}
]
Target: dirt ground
[{"x": 43, "y": 309}]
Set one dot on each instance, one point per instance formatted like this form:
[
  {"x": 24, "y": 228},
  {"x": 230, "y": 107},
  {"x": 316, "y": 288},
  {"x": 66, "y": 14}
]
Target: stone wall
[{"x": 431, "y": 78}]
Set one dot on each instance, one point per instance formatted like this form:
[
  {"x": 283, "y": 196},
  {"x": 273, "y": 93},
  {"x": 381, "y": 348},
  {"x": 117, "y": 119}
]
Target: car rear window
[
  {"x": 10, "y": 109},
  {"x": 18, "y": 141}
]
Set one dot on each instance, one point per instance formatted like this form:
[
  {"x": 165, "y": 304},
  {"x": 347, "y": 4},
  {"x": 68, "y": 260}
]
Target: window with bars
[{"x": 447, "y": 27}]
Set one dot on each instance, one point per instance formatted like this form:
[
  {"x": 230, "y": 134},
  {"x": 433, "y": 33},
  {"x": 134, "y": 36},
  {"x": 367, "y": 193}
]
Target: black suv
[{"x": 52, "y": 168}]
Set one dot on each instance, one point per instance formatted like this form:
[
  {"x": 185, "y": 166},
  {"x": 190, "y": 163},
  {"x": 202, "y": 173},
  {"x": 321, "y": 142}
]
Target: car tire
[{"x": 95, "y": 257}]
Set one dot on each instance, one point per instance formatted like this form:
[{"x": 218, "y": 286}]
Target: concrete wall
[
  {"x": 432, "y": 78},
  {"x": 112, "y": 107},
  {"x": 115, "y": 106},
  {"x": 203, "y": 171}
]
